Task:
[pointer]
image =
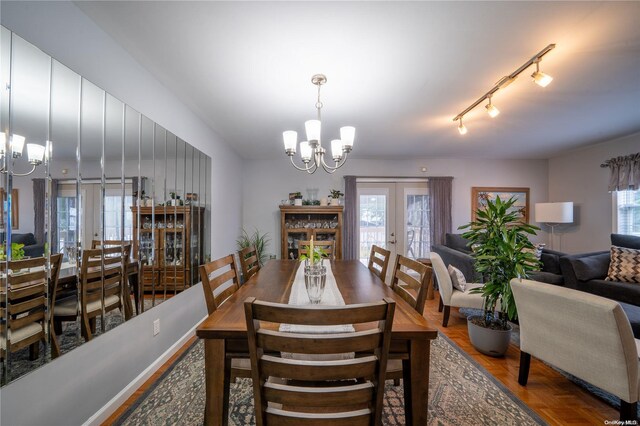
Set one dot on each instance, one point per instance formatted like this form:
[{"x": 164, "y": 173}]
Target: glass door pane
[{"x": 416, "y": 203}]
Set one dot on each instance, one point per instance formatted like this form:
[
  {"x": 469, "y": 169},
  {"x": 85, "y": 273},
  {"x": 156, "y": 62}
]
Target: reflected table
[{"x": 225, "y": 333}]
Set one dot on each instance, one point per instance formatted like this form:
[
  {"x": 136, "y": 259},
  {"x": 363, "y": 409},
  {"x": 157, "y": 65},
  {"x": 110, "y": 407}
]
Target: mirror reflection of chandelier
[
  {"x": 36, "y": 153},
  {"x": 311, "y": 151}
]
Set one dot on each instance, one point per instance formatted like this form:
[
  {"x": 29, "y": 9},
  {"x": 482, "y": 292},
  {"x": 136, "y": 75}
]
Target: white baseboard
[{"x": 110, "y": 407}]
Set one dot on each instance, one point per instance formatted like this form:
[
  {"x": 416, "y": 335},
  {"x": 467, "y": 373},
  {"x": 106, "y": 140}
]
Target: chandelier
[
  {"x": 311, "y": 151},
  {"x": 35, "y": 152}
]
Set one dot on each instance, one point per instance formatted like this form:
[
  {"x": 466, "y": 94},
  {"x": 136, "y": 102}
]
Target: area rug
[{"x": 461, "y": 392}]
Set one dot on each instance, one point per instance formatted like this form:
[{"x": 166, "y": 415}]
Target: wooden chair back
[
  {"x": 355, "y": 391},
  {"x": 379, "y": 257},
  {"x": 328, "y": 246},
  {"x": 411, "y": 285},
  {"x": 212, "y": 278},
  {"x": 25, "y": 287},
  {"x": 248, "y": 262},
  {"x": 102, "y": 282}
]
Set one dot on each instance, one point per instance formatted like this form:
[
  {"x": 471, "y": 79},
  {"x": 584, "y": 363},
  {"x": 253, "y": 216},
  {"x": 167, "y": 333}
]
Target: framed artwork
[
  {"x": 480, "y": 195},
  {"x": 14, "y": 208}
]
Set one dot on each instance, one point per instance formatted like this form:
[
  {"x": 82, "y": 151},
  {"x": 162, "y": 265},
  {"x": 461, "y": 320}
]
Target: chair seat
[
  {"x": 22, "y": 333},
  {"x": 70, "y": 307},
  {"x": 466, "y": 299}
]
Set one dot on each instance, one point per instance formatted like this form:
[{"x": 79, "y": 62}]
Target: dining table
[{"x": 225, "y": 332}]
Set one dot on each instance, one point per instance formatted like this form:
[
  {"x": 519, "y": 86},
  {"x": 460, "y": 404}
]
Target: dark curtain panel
[
  {"x": 350, "y": 217},
  {"x": 54, "y": 216},
  {"x": 625, "y": 172},
  {"x": 38, "y": 209},
  {"x": 439, "y": 208}
]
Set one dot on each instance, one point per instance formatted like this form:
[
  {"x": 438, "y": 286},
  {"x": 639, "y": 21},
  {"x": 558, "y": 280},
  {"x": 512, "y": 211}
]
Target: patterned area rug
[{"x": 460, "y": 393}]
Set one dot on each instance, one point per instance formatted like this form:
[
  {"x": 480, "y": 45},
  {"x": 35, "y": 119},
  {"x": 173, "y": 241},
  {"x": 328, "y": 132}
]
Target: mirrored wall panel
[{"x": 104, "y": 213}]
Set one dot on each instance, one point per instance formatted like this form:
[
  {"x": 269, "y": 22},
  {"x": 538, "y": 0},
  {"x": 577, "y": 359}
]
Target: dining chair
[
  {"x": 101, "y": 285},
  {"x": 451, "y": 296},
  {"x": 410, "y": 281},
  {"x": 329, "y": 247},
  {"x": 55, "y": 263},
  {"x": 286, "y": 388},
  {"x": 379, "y": 257},
  {"x": 248, "y": 262},
  {"x": 131, "y": 272},
  {"x": 223, "y": 274},
  {"x": 25, "y": 287}
]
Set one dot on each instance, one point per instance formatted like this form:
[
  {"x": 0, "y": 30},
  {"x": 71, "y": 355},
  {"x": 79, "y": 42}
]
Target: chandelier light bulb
[
  {"x": 336, "y": 149},
  {"x": 290, "y": 138},
  {"x": 540, "y": 78},
  {"x": 305, "y": 151},
  {"x": 462, "y": 128},
  {"x": 492, "y": 110},
  {"x": 17, "y": 144},
  {"x": 347, "y": 135},
  {"x": 313, "y": 130}
]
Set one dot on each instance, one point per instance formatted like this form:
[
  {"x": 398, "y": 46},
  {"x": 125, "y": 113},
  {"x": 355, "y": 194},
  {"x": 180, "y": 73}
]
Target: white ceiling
[{"x": 399, "y": 72}]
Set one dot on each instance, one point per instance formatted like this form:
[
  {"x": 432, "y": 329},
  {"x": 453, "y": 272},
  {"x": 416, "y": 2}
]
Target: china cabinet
[{"x": 298, "y": 223}]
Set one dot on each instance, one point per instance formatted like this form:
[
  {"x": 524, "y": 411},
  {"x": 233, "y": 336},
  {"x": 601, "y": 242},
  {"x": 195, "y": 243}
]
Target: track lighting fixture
[
  {"x": 540, "y": 78},
  {"x": 491, "y": 109},
  {"x": 462, "y": 128}
]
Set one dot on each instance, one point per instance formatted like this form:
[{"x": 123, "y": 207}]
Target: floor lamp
[{"x": 554, "y": 214}]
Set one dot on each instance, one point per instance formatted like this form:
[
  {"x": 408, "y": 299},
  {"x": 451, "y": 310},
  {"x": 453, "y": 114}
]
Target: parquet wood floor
[{"x": 556, "y": 399}]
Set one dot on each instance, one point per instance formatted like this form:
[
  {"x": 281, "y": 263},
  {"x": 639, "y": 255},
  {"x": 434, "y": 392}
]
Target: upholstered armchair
[{"x": 585, "y": 335}]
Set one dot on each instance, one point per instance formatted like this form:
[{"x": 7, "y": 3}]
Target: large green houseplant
[
  {"x": 502, "y": 251},
  {"x": 258, "y": 240}
]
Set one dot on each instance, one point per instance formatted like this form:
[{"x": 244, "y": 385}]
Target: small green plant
[
  {"x": 335, "y": 193},
  {"x": 502, "y": 251},
  {"x": 258, "y": 240},
  {"x": 318, "y": 254},
  {"x": 17, "y": 252}
]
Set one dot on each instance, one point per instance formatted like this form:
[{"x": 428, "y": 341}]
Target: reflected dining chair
[
  {"x": 24, "y": 307},
  {"x": 55, "y": 264},
  {"x": 379, "y": 257},
  {"x": 451, "y": 296},
  {"x": 101, "y": 285},
  {"x": 248, "y": 262},
  {"x": 329, "y": 247},
  {"x": 410, "y": 281},
  {"x": 286, "y": 389},
  {"x": 132, "y": 281},
  {"x": 222, "y": 275}
]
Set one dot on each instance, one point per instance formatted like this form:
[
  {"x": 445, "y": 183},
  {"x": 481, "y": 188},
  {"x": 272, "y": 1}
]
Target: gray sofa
[
  {"x": 455, "y": 251},
  {"x": 31, "y": 247}
]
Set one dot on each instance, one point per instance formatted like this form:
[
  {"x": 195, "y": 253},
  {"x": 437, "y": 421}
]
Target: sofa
[
  {"x": 587, "y": 272},
  {"x": 31, "y": 247},
  {"x": 456, "y": 251}
]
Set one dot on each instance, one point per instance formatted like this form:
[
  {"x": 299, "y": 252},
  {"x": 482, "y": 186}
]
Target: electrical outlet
[{"x": 156, "y": 327}]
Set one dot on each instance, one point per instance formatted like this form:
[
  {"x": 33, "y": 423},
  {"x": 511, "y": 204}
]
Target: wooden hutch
[
  {"x": 168, "y": 242},
  {"x": 303, "y": 222}
]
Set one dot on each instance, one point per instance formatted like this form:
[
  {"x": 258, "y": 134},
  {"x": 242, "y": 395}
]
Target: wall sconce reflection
[{"x": 36, "y": 153}]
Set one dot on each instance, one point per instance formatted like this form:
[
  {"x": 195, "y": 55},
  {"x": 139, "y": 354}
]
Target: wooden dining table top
[{"x": 273, "y": 282}]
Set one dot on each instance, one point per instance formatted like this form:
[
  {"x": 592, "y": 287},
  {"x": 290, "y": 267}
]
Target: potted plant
[
  {"x": 502, "y": 251},
  {"x": 335, "y": 197},
  {"x": 297, "y": 198},
  {"x": 258, "y": 240}
]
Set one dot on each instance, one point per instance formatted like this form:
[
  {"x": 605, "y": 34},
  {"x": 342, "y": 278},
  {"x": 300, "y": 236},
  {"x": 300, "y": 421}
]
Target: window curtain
[
  {"x": 350, "y": 218},
  {"x": 625, "y": 172},
  {"x": 39, "y": 209},
  {"x": 439, "y": 208}
]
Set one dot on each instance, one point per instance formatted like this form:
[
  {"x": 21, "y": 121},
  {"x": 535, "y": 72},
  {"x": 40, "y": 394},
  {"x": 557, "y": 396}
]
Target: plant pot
[
  {"x": 297, "y": 202},
  {"x": 335, "y": 201},
  {"x": 488, "y": 341}
]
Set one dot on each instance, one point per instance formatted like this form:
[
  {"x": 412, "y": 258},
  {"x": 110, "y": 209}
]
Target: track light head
[
  {"x": 492, "y": 110},
  {"x": 540, "y": 78},
  {"x": 462, "y": 128}
]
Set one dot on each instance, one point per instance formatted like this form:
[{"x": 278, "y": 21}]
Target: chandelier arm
[
  {"x": 33, "y": 169},
  {"x": 338, "y": 164},
  {"x": 302, "y": 169}
]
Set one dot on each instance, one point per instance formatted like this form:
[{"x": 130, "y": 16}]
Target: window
[
  {"x": 67, "y": 217},
  {"x": 113, "y": 217},
  {"x": 628, "y": 212}
]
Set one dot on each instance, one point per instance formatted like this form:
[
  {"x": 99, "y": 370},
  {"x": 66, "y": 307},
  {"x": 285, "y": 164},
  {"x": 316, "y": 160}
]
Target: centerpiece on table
[
  {"x": 315, "y": 273},
  {"x": 502, "y": 251}
]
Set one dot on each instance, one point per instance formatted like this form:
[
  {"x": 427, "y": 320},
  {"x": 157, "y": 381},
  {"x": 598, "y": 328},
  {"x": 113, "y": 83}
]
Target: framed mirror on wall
[{"x": 103, "y": 212}]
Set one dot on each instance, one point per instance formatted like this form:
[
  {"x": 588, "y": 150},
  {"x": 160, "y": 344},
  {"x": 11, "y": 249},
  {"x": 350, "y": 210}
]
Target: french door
[{"x": 394, "y": 216}]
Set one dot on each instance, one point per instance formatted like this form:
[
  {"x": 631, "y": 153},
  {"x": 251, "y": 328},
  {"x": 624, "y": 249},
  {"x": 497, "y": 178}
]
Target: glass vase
[{"x": 315, "y": 278}]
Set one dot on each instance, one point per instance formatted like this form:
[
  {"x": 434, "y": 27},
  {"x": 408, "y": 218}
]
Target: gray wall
[
  {"x": 577, "y": 176},
  {"x": 267, "y": 182},
  {"x": 72, "y": 388}
]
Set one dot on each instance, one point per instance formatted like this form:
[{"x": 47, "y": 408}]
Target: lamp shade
[
  {"x": 313, "y": 130},
  {"x": 35, "y": 153},
  {"x": 554, "y": 212},
  {"x": 347, "y": 134},
  {"x": 336, "y": 149},
  {"x": 17, "y": 145},
  {"x": 290, "y": 140},
  {"x": 305, "y": 151}
]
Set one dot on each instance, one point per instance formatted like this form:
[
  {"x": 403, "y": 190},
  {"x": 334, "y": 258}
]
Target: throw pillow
[
  {"x": 537, "y": 252},
  {"x": 625, "y": 265},
  {"x": 457, "y": 278}
]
